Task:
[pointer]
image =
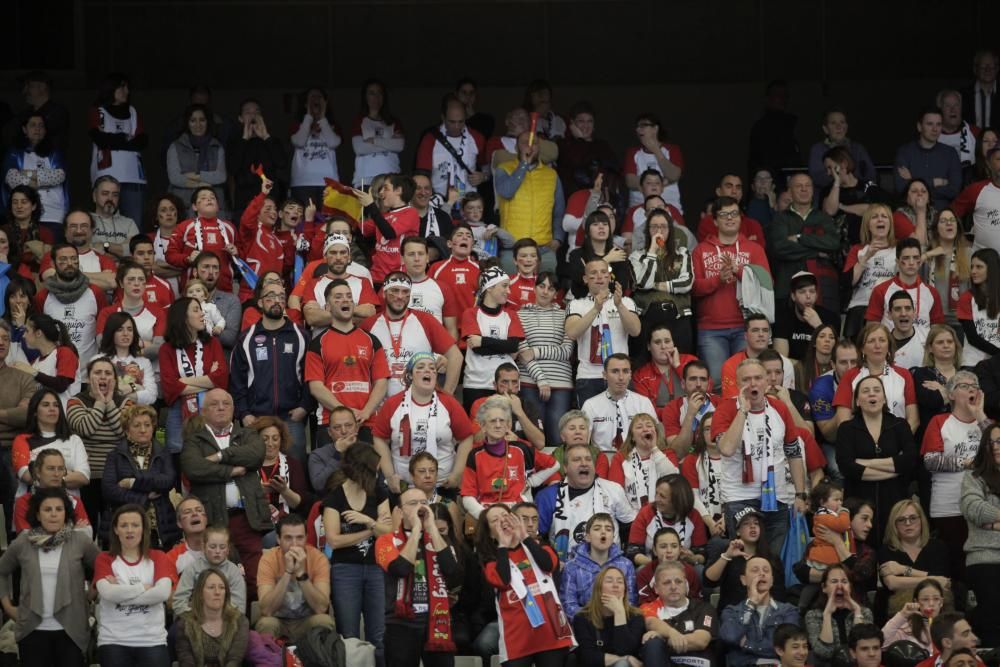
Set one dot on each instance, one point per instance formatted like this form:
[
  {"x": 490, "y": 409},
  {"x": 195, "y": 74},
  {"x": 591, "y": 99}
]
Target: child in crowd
[
  {"x": 489, "y": 238},
  {"x": 597, "y": 552},
  {"x": 828, "y": 499},
  {"x": 666, "y": 547},
  {"x": 215, "y": 554},
  {"x": 215, "y": 323}
]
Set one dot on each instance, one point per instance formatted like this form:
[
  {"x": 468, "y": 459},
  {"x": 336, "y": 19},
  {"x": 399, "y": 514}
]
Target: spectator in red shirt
[
  {"x": 660, "y": 379},
  {"x": 731, "y": 185},
  {"x": 718, "y": 263}
]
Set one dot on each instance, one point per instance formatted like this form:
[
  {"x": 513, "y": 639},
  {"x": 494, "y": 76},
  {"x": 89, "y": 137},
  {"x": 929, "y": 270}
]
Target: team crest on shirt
[
  {"x": 362, "y": 352},
  {"x": 494, "y": 331},
  {"x": 212, "y": 237},
  {"x": 417, "y": 301},
  {"x": 459, "y": 278},
  {"x": 69, "y": 312},
  {"x": 349, "y": 360}
]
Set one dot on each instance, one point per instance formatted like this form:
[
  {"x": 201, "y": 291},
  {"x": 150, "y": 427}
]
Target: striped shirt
[
  {"x": 99, "y": 426},
  {"x": 544, "y": 330}
]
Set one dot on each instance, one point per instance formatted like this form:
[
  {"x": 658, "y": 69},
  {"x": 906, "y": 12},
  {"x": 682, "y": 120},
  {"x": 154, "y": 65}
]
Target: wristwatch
[{"x": 303, "y": 577}]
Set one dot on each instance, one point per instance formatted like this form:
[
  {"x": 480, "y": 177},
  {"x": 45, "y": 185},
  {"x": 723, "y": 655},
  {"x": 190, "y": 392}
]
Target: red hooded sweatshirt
[{"x": 717, "y": 305}]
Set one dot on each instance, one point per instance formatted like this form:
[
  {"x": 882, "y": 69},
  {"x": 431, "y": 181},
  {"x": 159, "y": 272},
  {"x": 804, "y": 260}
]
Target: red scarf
[{"x": 439, "y": 613}]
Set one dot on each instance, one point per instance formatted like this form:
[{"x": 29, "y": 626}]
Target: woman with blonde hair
[
  {"x": 608, "y": 629},
  {"x": 942, "y": 359},
  {"x": 870, "y": 262},
  {"x": 643, "y": 458},
  {"x": 877, "y": 348},
  {"x": 945, "y": 263},
  {"x": 909, "y": 555}
]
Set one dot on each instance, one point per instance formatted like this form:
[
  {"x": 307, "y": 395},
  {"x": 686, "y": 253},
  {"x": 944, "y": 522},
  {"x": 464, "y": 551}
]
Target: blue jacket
[
  {"x": 579, "y": 574},
  {"x": 266, "y": 370},
  {"x": 741, "y": 621}
]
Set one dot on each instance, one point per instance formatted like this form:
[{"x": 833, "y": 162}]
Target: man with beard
[
  {"x": 207, "y": 268},
  {"x": 78, "y": 228},
  {"x": 795, "y": 323},
  {"x": 266, "y": 370},
  {"x": 69, "y": 296},
  {"x": 112, "y": 230},
  {"x": 405, "y": 331},
  {"x": 563, "y": 509},
  {"x": 337, "y": 252}
]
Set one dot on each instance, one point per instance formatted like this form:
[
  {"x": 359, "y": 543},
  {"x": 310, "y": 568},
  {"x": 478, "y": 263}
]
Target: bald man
[{"x": 220, "y": 459}]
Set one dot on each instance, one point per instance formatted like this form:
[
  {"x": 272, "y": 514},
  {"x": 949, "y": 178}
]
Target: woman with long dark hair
[
  {"x": 355, "y": 513},
  {"x": 875, "y": 451},
  {"x": 663, "y": 279},
  {"x": 598, "y": 234},
  {"x": 120, "y": 342},
  {"x": 912, "y": 623},
  {"x": 96, "y": 415},
  {"x": 980, "y": 506},
  {"x": 978, "y": 309},
  {"x": 19, "y": 305},
  {"x": 197, "y": 159},
  {"x": 286, "y": 487},
  {"x": 46, "y": 427},
  {"x": 377, "y": 137},
  {"x": 818, "y": 359},
  {"x": 914, "y": 217},
  {"x": 119, "y": 138},
  {"x": 191, "y": 363},
  {"x": 29, "y": 241},
  {"x": 57, "y": 363},
  {"x": 51, "y": 619},
  {"x": 833, "y": 614},
  {"x": 533, "y": 628}
]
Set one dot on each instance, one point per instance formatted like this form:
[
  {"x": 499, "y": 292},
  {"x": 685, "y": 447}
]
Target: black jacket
[
  {"x": 266, "y": 370},
  {"x": 160, "y": 478}
]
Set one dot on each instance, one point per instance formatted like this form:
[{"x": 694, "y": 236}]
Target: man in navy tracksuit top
[{"x": 267, "y": 367}]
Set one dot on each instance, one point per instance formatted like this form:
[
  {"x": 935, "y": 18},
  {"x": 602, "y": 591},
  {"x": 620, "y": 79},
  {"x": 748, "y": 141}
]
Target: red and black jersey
[{"x": 348, "y": 364}]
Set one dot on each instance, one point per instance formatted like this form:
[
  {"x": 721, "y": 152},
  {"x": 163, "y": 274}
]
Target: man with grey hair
[
  {"x": 956, "y": 132},
  {"x": 758, "y": 440},
  {"x": 220, "y": 459},
  {"x": 950, "y": 444},
  {"x": 112, "y": 230}
]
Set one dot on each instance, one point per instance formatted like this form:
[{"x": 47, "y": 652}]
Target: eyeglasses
[
  {"x": 912, "y": 518},
  {"x": 642, "y": 125},
  {"x": 414, "y": 503},
  {"x": 967, "y": 385},
  {"x": 727, "y": 215},
  {"x": 995, "y": 442}
]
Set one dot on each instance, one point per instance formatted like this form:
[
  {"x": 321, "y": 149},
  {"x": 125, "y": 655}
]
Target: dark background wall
[{"x": 700, "y": 64}]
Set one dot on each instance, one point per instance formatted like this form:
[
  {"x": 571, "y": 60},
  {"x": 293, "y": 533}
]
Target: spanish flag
[{"x": 339, "y": 199}]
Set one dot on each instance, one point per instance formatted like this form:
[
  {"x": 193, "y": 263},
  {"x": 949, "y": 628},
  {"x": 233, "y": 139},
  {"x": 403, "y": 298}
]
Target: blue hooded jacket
[{"x": 579, "y": 574}]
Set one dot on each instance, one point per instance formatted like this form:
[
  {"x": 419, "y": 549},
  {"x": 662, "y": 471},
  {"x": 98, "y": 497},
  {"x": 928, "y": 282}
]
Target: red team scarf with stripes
[{"x": 439, "y": 610}]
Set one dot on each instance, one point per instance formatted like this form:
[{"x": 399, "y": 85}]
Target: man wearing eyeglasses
[
  {"x": 804, "y": 238},
  {"x": 267, "y": 368},
  {"x": 950, "y": 444},
  {"x": 718, "y": 263}
]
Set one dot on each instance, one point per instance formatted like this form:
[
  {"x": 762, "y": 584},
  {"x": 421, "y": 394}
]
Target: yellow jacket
[{"x": 529, "y": 213}]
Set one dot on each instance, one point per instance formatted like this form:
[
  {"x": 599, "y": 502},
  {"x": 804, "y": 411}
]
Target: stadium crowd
[{"x": 513, "y": 401}]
